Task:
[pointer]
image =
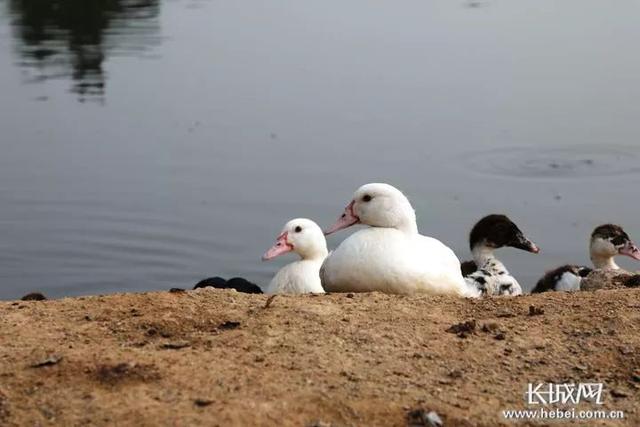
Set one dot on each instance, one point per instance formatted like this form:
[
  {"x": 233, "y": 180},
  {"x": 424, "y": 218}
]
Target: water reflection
[{"x": 72, "y": 38}]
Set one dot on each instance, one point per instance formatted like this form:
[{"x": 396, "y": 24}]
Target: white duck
[
  {"x": 390, "y": 256},
  {"x": 306, "y": 239}
]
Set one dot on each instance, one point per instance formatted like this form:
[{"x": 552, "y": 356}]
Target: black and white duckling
[
  {"x": 486, "y": 272},
  {"x": 305, "y": 238},
  {"x": 607, "y": 241},
  {"x": 238, "y": 283}
]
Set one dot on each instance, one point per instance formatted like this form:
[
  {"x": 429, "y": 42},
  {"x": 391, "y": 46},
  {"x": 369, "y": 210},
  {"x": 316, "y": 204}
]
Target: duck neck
[
  {"x": 409, "y": 227},
  {"x": 408, "y": 223},
  {"x": 483, "y": 254},
  {"x": 315, "y": 254},
  {"x": 605, "y": 262}
]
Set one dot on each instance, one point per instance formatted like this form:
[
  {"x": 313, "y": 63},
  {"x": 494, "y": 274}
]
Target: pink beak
[
  {"x": 347, "y": 219},
  {"x": 282, "y": 246},
  {"x": 631, "y": 250}
]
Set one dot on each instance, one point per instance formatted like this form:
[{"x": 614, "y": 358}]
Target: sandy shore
[{"x": 212, "y": 357}]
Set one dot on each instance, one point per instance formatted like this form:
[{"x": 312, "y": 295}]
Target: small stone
[
  {"x": 463, "y": 329},
  {"x": 48, "y": 361},
  {"x": 455, "y": 373},
  {"x": 202, "y": 402},
  {"x": 504, "y": 314},
  {"x": 350, "y": 295},
  {"x": 269, "y": 301},
  {"x": 619, "y": 393},
  {"x": 113, "y": 373},
  {"x": 500, "y": 336},
  {"x": 229, "y": 324},
  {"x": 535, "y": 311},
  {"x": 420, "y": 417},
  {"x": 489, "y": 327},
  {"x": 176, "y": 290},
  {"x": 434, "y": 419},
  {"x": 175, "y": 345},
  {"x": 625, "y": 350},
  {"x": 539, "y": 345}
]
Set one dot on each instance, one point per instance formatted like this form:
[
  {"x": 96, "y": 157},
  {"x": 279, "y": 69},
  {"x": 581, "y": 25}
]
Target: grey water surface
[{"x": 146, "y": 144}]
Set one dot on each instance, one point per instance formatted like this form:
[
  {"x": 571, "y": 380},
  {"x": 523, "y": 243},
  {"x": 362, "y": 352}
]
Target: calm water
[{"x": 147, "y": 144}]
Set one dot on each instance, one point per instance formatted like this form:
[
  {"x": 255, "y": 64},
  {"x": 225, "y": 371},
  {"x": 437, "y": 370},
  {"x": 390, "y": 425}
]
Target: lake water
[{"x": 147, "y": 144}]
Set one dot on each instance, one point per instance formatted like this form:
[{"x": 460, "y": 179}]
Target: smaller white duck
[
  {"x": 306, "y": 239},
  {"x": 486, "y": 272},
  {"x": 390, "y": 255},
  {"x": 607, "y": 241}
]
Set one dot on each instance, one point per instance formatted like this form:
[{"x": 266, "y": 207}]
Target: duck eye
[
  {"x": 298, "y": 229},
  {"x": 618, "y": 240},
  {"x": 366, "y": 198}
]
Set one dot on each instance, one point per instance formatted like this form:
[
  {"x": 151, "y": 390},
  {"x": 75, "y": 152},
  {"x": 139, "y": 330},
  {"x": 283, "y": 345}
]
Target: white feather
[
  {"x": 299, "y": 277},
  {"x": 568, "y": 282}
]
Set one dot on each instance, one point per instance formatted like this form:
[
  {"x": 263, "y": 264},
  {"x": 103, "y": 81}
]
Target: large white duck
[
  {"x": 390, "y": 256},
  {"x": 305, "y": 238}
]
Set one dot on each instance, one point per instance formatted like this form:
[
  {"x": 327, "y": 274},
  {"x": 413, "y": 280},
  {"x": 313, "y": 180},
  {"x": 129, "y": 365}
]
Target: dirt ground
[{"x": 214, "y": 357}]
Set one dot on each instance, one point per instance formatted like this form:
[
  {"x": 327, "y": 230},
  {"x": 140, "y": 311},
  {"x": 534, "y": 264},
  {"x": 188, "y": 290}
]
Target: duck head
[
  {"x": 496, "y": 231},
  {"x": 609, "y": 240},
  {"x": 377, "y": 205},
  {"x": 302, "y": 236}
]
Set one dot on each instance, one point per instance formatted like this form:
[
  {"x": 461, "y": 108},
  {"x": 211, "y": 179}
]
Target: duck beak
[
  {"x": 347, "y": 219},
  {"x": 282, "y": 246},
  {"x": 526, "y": 245},
  {"x": 630, "y": 249}
]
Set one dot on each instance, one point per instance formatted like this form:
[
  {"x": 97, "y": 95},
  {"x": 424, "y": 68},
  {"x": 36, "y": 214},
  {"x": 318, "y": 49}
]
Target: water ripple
[{"x": 556, "y": 162}]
